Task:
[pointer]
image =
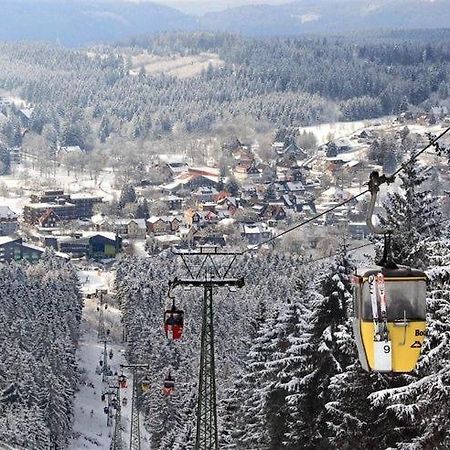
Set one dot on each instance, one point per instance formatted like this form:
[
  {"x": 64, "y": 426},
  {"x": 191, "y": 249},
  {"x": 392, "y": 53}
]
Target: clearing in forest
[{"x": 176, "y": 65}]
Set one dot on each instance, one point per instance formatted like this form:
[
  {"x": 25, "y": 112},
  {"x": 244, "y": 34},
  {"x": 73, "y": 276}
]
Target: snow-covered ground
[
  {"x": 335, "y": 130},
  {"x": 90, "y": 428}
]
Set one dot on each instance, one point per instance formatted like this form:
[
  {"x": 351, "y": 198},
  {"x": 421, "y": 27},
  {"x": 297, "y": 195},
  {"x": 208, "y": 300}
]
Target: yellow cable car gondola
[
  {"x": 389, "y": 307},
  {"x": 145, "y": 385},
  {"x": 389, "y": 339}
]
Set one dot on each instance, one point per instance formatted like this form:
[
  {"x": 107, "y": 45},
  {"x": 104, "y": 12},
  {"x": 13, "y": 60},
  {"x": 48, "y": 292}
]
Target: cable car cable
[
  {"x": 345, "y": 202},
  {"x": 312, "y": 261}
]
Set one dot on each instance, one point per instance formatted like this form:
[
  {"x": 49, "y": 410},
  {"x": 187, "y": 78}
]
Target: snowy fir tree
[
  {"x": 323, "y": 349},
  {"x": 413, "y": 215},
  {"x": 40, "y": 309}
]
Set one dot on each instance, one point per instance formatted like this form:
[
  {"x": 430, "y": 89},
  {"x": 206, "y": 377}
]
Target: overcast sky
[{"x": 200, "y": 6}]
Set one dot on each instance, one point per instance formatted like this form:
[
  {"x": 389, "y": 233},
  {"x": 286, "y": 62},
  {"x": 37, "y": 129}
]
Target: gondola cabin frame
[
  {"x": 174, "y": 323},
  {"x": 169, "y": 385},
  {"x": 397, "y": 348}
]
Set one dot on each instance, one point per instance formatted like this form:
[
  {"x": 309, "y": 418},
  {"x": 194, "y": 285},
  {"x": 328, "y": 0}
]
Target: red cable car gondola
[
  {"x": 174, "y": 323},
  {"x": 169, "y": 385},
  {"x": 122, "y": 380}
]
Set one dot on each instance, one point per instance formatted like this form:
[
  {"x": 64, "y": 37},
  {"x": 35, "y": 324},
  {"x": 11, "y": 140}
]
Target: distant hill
[
  {"x": 330, "y": 16},
  {"x": 81, "y": 22},
  {"x": 86, "y": 21}
]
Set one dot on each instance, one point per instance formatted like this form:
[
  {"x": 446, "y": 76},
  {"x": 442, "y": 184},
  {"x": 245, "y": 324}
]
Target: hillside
[
  {"x": 329, "y": 16},
  {"x": 85, "y": 21},
  {"x": 89, "y": 21}
]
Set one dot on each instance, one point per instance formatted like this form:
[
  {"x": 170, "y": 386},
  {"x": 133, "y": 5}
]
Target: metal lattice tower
[
  {"x": 101, "y": 316},
  {"x": 135, "y": 432},
  {"x": 207, "y": 276},
  {"x": 117, "y": 438},
  {"x": 105, "y": 367},
  {"x": 207, "y": 432}
]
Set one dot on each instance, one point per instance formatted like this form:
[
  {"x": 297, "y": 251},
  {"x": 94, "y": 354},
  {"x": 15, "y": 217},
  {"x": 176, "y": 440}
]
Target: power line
[{"x": 312, "y": 219}]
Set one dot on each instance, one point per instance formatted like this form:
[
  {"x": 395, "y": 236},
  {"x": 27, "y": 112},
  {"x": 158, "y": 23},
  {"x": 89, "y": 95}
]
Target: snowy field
[
  {"x": 90, "y": 428},
  {"x": 335, "y": 130}
]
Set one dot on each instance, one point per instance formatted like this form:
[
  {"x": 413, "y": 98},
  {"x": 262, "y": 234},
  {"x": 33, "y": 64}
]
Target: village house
[
  {"x": 93, "y": 244},
  {"x": 192, "y": 217},
  {"x": 255, "y": 233},
  {"x": 173, "y": 202},
  {"x": 246, "y": 169},
  {"x": 131, "y": 228},
  {"x": 163, "y": 224},
  {"x": 65, "y": 206},
  {"x": 230, "y": 204},
  {"x": 289, "y": 154},
  {"x": 49, "y": 220},
  {"x": 204, "y": 194},
  {"x": 273, "y": 211},
  {"x": 101, "y": 222},
  {"x": 8, "y": 221},
  {"x": 14, "y": 249},
  {"x": 193, "y": 178}
]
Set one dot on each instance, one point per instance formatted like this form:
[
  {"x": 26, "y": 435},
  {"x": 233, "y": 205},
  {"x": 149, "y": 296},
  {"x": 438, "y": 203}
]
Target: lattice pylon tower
[
  {"x": 207, "y": 432},
  {"x": 135, "y": 433},
  {"x": 117, "y": 439}
]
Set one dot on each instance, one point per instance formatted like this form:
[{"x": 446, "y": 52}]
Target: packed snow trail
[{"x": 90, "y": 427}]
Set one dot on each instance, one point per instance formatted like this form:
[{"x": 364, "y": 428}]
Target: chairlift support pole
[
  {"x": 105, "y": 362},
  {"x": 116, "y": 443},
  {"x": 109, "y": 393},
  {"x": 101, "y": 316},
  {"x": 135, "y": 433},
  {"x": 207, "y": 437}
]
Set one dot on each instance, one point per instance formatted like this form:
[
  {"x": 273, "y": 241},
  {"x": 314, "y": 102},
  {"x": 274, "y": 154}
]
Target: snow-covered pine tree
[
  {"x": 39, "y": 308},
  {"x": 413, "y": 215},
  {"x": 324, "y": 350}
]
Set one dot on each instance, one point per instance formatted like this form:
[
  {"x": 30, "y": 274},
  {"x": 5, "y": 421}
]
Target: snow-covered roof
[
  {"x": 255, "y": 228},
  {"x": 140, "y": 223},
  {"x": 27, "y": 112},
  {"x": 7, "y": 239},
  {"x": 105, "y": 234},
  {"x": 84, "y": 195},
  {"x": 99, "y": 219},
  {"x": 7, "y": 213},
  {"x": 165, "y": 238},
  {"x": 226, "y": 222},
  {"x": 49, "y": 205},
  {"x": 295, "y": 186},
  {"x": 154, "y": 219},
  {"x": 352, "y": 163},
  {"x": 71, "y": 149},
  {"x": 172, "y": 158}
]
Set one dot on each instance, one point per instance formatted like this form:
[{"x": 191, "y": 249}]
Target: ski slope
[{"x": 90, "y": 427}]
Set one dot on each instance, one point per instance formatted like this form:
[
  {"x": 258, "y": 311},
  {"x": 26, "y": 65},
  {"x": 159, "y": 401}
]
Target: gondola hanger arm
[{"x": 375, "y": 181}]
